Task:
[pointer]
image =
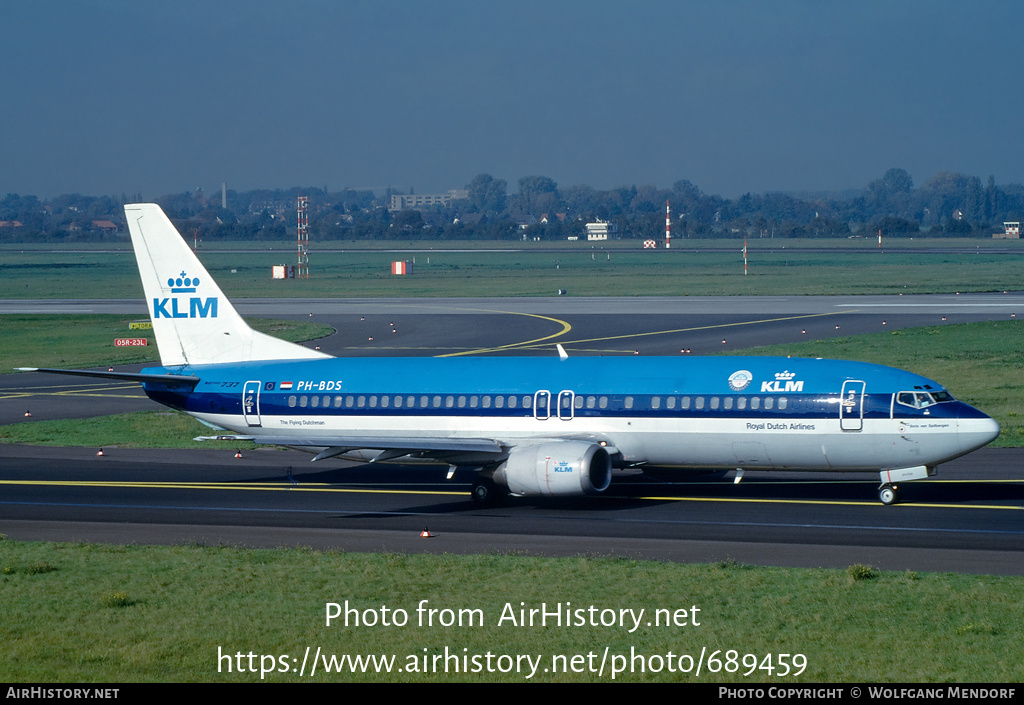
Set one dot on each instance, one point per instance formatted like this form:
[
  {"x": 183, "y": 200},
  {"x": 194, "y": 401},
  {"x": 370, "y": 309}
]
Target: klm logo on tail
[{"x": 196, "y": 307}]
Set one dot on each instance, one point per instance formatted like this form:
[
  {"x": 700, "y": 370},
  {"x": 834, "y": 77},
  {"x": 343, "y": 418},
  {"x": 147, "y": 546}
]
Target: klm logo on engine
[
  {"x": 180, "y": 307},
  {"x": 784, "y": 382}
]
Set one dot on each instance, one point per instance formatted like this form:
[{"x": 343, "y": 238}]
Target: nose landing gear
[{"x": 889, "y": 494}]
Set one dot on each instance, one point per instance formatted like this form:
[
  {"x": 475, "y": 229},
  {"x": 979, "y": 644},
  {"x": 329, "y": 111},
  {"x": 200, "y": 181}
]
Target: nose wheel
[{"x": 888, "y": 494}]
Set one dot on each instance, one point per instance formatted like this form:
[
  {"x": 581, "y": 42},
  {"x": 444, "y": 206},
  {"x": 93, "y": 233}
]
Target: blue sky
[{"x": 111, "y": 97}]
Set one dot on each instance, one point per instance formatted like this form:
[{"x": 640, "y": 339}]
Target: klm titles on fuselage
[
  {"x": 783, "y": 382},
  {"x": 196, "y": 307}
]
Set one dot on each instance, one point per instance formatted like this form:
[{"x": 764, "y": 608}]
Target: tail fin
[{"x": 193, "y": 321}]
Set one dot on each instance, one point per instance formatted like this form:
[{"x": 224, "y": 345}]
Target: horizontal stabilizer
[{"x": 124, "y": 376}]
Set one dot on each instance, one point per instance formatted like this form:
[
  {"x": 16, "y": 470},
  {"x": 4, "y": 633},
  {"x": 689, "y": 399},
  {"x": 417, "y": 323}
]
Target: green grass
[
  {"x": 79, "y": 341},
  {"x": 138, "y": 429},
  {"x": 622, "y": 270},
  {"x": 98, "y": 613}
]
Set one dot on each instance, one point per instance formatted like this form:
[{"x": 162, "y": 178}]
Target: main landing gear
[{"x": 488, "y": 493}]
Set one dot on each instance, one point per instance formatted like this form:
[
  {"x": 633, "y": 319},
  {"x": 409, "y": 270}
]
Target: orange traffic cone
[{"x": 425, "y": 534}]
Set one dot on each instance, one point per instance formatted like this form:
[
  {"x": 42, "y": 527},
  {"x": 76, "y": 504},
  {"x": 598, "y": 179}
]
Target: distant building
[
  {"x": 426, "y": 200},
  {"x": 1011, "y": 231},
  {"x": 601, "y": 230}
]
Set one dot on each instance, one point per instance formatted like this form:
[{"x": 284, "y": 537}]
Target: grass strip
[
  {"x": 81, "y": 341},
  {"x": 830, "y": 269},
  {"x": 88, "y": 613}
]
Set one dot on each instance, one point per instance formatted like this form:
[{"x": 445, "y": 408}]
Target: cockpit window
[{"x": 922, "y": 400}]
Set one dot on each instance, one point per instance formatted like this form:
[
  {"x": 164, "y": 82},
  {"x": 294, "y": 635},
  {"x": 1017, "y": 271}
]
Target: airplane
[{"x": 539, "y": 426}]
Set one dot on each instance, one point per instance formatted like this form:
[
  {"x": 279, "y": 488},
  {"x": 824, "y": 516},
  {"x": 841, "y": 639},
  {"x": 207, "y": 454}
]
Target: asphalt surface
[{"x": 967, "y": 519}]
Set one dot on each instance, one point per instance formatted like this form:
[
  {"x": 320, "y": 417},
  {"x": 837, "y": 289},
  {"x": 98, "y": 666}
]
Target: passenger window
[
  {"x": 629, "y": 402},
  {"x": 728, "y": 402},
  {"x": 499, "y": 402},
  {"x": 714, "y": 403},
  {"x": 699, "y": 403},
  {"x": 437, "y": 401},
  {"x": 292, "y": 401},
  {"x": 741, "y": 403},
  {"x": 769, "y": 403},
  {"x": 579, "y": 402},
  {"x": 755, "y": 403},
  {"x": 337, "y": 402},
  {"x": 591, "y": 402},
  {"x": 783, "y": 403},
  {"x": 655, "y": 403},
  {"x": 684, "y": 404},
  {"x": 602, "y": 402},
  {"x": 303, "y": 401},
  {"x": 315, "y": 402},
  {"x": 449, "y": 402},
  {"x": 670, "y": 403}
]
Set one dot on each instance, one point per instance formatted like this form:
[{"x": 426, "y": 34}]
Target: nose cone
[{"x": 975, "y": 433}]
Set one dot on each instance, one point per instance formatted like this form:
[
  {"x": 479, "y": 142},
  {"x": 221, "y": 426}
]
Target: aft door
[
  {"x": 251, "y": 403},
  {"x": 851, "y": 406}
]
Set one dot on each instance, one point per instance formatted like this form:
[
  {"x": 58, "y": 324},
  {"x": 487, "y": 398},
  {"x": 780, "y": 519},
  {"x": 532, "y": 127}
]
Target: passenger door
[
  {"x": 251, "y": 403},
  {"x": 851, "y": 405}
]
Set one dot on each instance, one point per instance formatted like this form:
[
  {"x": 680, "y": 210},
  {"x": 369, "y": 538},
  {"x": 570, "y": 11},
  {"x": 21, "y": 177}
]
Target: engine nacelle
[{"x": 559, "y": 468}]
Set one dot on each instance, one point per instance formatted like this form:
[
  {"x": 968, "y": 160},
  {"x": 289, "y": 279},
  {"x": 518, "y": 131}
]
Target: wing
[{"x": 390, "y": 447}]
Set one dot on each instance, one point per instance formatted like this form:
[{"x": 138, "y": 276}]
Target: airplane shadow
[{"x": 640, "y": 490}]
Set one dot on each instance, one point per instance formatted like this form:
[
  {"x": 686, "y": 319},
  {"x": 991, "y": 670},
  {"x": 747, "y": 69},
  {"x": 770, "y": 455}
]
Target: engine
[{"x": 559, "y": 468}]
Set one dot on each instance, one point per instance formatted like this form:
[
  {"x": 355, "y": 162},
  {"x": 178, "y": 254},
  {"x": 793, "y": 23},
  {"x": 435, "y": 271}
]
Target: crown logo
[
  {"x": 184, "y": 284},
  {"x": 785, "y": 376}
]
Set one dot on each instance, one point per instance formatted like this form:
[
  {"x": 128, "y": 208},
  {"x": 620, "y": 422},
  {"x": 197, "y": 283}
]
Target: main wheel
[
  {"x": 486, "y": 492},
  {"x": 888, "y": 494}
]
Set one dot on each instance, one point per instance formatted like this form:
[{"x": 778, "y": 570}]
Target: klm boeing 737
[{"x": 555, "y": 426}]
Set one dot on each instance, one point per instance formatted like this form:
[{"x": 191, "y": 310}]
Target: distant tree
[
  {"x": 893, "y": 226},
  {"x": 536, "y": 194},
  {"x": 487, "y": 194},
  {"x": 408, "y": 220}
]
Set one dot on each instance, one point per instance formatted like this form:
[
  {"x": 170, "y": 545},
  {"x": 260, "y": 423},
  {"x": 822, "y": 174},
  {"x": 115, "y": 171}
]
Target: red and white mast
[{"x": 668, "y": 226}]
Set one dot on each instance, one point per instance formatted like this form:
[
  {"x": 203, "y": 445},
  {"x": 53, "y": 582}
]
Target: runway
[{"x": 967, "y": 519}]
